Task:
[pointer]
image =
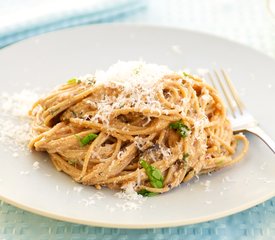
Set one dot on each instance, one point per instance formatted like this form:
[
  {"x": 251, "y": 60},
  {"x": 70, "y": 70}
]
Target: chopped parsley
[
  {"x": 181, "y": 128},
  {"x": 146, "y": 193},
  {"x": 87, "y": 139},
  {"x": 71, "y": 162},
  {"x": 74, "y": 81},
  {"x": 73, "y": 114},
  {"x": 185, "y": 74},
  {"x": 155, "y": 176},
  {"x": 185, "y": 156}
]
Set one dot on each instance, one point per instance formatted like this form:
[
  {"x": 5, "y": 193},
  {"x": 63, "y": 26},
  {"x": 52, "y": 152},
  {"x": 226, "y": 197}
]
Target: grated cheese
[
  {"x": 119, "y": 156},
  {"x": 128, "y": 206},
  {"x": 197, "y": 178},
  {"x": 17, "y": 104},
  {"x": 202, "y": 71},
  {"x": 99, "y": 195},
  {"x": 131, "y": 74},
  {"x": 176, "y": 49},
  {"x": 129, "y": 193},
  {"x": 228, "y": 179},
  {"x": 138, "y": 83},
  {"x": 24, "y": 172},
  {"x": 14, "y": 121},
  {"x": 262, "y": 167},
  {"x": 91, "y": 200},
  {"x": 131, "y": 199},
  {"x": 206, "y": 184},
  {"x": 78, "y": 189},
  {"x": 166, "y": 152},
  {"x": 140, "y": 142},
  {"x": 35, "y": 165},
  {"x": 87, "y": 201}
]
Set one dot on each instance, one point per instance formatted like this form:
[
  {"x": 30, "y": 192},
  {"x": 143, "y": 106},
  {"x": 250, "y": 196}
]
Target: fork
[{"x": 241, "y": 119}]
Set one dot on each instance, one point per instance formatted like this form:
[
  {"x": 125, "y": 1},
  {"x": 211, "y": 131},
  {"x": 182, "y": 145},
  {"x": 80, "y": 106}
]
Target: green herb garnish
[
  {"x": 185, "y": 74},
  {"x": 185, "y": 156},
  {"x": 87, "y": 139},
  {"x": 146, "y": 193},
  {"x": 181, "y": 128},
  {"x": 154, "y": 174},
  {"x": 73, "y": 81},
  {"x": 73, "y": 114},
  {"x": 71, "y": 162}
]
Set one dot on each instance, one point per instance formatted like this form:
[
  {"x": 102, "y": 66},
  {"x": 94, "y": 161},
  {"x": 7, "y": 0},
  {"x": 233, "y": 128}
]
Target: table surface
[{"x": 244, "y": 21}]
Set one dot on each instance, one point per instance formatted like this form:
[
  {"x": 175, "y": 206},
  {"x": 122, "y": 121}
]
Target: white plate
[
  {"x": 51, "y": 59},
  {"x": 271, "y": 9}
]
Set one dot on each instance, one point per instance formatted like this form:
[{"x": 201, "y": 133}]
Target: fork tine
[
  {"x": 228, "y": 99},
  {"x": 212, "y": 80},
  {"x": 233, "y": 91}
]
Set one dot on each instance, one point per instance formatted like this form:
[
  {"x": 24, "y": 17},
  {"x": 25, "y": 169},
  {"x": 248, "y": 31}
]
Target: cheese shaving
[
  {"x": 14, "y": 121},
  {"x": 132, "y": 74}
]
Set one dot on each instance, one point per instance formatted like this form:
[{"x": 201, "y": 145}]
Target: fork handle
[{"x": 262, "y": 135}]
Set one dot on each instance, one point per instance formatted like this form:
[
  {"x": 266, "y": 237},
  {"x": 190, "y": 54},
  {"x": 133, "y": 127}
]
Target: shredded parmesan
[
  {"x": 228, "y": 179},
  {"x": 24, "y": 172},
  {"x": 131, "y": 199},
  {"x": 202, "y": 71},
  {"x": 138, "y": 82},
  {"x": 14, "y": 121},
  {"x": 129, "y": 193},
  {"x": 206, "y": 184},
  {"x": 91, "y": 200},
  {"x": 78, "y": 189},
  {"x": 176, "y": 49},
  {"x": 132, "y": 74},
  {"x": 35, "y": 165}
]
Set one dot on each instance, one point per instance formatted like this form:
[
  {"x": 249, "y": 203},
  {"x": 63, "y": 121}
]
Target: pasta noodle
[{"x": 137, "y": 123}]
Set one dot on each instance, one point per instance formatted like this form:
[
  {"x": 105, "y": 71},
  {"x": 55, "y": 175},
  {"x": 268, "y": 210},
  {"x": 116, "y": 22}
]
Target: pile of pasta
[{"x": 153, "y": 138}]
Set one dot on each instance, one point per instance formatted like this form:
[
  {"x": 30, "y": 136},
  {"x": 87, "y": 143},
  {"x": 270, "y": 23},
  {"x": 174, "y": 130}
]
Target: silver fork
[{"x": 241, "y": 119}]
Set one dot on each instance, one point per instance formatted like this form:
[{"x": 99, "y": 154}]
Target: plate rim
[
  {"x": 60, "y": 217},
  {"x": 140, "y": 25}
]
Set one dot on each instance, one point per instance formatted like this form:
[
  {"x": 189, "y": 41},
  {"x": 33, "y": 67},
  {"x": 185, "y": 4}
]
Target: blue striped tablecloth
[
  {"x": 244, "y": 21},
  {"x": 18, "y": 22}
]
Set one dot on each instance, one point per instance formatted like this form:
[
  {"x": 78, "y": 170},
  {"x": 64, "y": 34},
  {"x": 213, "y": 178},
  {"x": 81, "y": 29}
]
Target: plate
[
  {"x": 48, "y": 60},
  {"x": 271, "y": 9}
]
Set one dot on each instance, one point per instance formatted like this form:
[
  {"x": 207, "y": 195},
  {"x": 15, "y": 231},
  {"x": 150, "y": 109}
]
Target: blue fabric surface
[
  {"x": 112, "y": 11},
  {"x": 257, "y": 223}
]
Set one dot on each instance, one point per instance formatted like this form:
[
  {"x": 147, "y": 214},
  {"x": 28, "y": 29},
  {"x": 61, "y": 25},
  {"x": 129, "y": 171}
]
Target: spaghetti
[{"x": 137, "y": 123}]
